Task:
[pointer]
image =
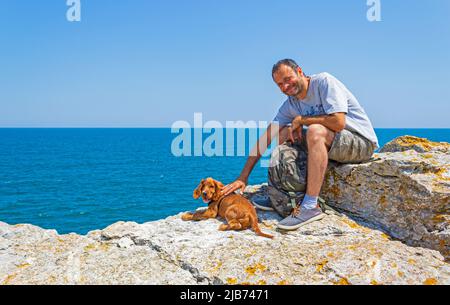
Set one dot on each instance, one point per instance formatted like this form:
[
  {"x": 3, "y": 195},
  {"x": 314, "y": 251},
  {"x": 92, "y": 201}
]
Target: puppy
[{"x": 239, "y": 213}]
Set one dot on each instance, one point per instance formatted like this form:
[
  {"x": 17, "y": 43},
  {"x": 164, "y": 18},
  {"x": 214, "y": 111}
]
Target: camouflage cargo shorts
[
  {"x": 347, "y": 147},
  {"x": 350, "y": 147}
]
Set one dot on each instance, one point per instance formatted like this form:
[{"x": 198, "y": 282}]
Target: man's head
[{"x": 289, "y": 77}]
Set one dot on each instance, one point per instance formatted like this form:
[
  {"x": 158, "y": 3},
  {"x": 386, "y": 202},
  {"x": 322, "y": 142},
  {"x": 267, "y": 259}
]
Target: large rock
[
  {"x": 335, "y": 250},
  {"x": 405, "y": 191}
]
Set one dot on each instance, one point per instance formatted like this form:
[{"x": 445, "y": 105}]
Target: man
[{"x": 337, "y": 129}]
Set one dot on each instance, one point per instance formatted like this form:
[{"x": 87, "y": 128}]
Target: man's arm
[
  {"x": 334, "y": 121},
  {"x": 258, "y": 150}
]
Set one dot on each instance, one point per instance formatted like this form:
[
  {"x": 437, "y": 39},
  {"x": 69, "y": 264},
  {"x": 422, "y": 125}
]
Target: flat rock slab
[{"x": 335, "y": 250}]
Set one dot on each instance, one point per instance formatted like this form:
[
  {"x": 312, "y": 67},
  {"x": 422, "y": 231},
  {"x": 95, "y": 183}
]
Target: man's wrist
[
  {"x": 243, "y": 179},
  {"x": 298, "y": 120}
]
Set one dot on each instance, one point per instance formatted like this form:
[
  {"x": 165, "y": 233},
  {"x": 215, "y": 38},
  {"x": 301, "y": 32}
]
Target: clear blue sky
[{"x": 140, "y": 63}]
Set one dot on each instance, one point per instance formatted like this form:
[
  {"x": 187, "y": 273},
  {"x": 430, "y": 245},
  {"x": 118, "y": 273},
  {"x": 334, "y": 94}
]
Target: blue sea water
[{"x": 78, "y": 180}]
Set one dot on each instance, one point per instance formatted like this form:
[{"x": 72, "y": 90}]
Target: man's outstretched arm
[{"x": 272, "y": 131}]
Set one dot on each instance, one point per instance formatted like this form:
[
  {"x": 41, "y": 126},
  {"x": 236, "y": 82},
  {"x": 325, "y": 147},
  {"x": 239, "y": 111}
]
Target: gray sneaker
[
  {"x": 262, "y": 203},
  {"x": 300, "y": 217}
]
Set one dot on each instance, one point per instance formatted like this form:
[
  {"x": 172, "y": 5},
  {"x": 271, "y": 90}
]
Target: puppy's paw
[
  {"x": 223, "y": 227},
  {"x": 187, "y": 216}
]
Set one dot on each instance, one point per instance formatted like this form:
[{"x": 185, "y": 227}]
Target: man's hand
[
  {"x": 295, "y": 129},
  {"x": 230, "y": 188}
]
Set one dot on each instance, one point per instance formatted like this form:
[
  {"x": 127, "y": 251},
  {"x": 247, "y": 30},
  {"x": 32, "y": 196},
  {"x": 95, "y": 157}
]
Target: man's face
[{"x": 288, "y": 80}]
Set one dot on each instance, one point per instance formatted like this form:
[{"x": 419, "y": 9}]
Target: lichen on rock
[{"x": 405, "y": 191}]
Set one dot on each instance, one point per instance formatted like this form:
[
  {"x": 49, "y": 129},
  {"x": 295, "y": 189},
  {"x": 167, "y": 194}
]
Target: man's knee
[
  {"x": 316, "y": 133},
  {"x": 319, "y": 134}
]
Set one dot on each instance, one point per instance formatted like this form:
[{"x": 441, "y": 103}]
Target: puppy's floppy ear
[
  {"x": 198, "y": 190},
  {"x": 217, "y": 189}
]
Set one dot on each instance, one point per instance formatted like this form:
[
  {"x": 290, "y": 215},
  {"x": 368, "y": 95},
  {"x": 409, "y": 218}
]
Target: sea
[{"x": 83, "y": 179}]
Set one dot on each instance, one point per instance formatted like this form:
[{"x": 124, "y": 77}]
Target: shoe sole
[
  {"x": 263, "y": 208},
  {"x": 292, "y": 228}
]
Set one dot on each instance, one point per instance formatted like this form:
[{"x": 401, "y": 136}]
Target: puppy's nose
[{"x": 204, "y": 193}]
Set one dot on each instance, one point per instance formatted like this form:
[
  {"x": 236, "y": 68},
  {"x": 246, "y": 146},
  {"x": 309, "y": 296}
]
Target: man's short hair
[{"x": 285, "y": 62}]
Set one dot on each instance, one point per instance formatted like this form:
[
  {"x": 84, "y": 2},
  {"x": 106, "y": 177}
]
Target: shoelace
[{"x": 296, "y": 211}]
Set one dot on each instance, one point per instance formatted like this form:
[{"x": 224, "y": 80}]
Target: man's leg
[{"x": 319, "y": 140}]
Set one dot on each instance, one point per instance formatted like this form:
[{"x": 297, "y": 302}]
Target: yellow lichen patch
[
  {"x": 283, "y": 282},
  {"x": 104, "y": 247},
  {"x": 427, "y": 156},
  {"x": 82, "y": 280},
  {"x": 8, "y": 279},
  {"x": 352, "y": 247},
  {"x": 342, "y": 281},
  {"x": 412, "y": 261},
  {"x": 385, "y": 236},
  {"x": 328, "y": 243},
  {"x": 24, "y": 265},
  {"x": 430, "y": 281},
  {"x": 408, "y": 141},
  {"x": 332, "y": 187},
  {"x": 441, "y": 218},
  {"x": 89, "y": 247},
  {"x": 52, "y": 279},
  {"x": 217, "y": 266},
  {"x": 232, "y": 281},
  {"x": 331, "y": 255},
  {"x": 251, "y": 270},
  {"x": 261, "y": 282},
  {"x": 441, "y": 174},
  {"x": 373, "y": 282},
  {"x": 401, "y": 274},
  {"x": 352, "y": 224},
  {"x": 382, "y": 201},
  {"x": 320, "y": 265}
]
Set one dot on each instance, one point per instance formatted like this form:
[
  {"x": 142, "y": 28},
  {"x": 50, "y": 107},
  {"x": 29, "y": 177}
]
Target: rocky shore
[{"x": 392, "y": 226}]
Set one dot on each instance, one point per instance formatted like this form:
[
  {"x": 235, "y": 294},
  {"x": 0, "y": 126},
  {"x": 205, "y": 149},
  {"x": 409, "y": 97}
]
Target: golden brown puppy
[{"x": 239, "y": 213}]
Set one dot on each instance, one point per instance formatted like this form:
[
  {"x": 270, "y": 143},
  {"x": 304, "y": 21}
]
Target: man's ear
[
  {"x": 198, "y": 190},
  {"x": 218, "y": 186}
]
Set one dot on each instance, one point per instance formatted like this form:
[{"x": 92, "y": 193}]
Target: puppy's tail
[{"x": 255, "y": 228}]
